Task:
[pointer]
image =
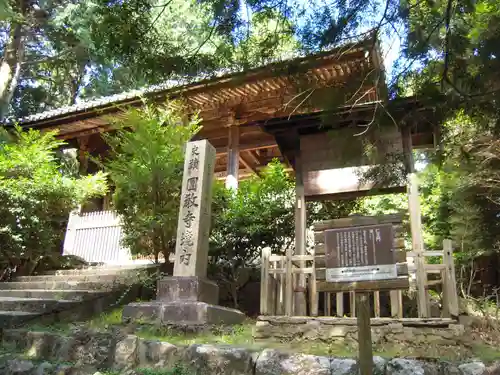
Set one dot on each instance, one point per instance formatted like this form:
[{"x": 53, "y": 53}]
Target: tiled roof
[{"x": 172, "y": 84}]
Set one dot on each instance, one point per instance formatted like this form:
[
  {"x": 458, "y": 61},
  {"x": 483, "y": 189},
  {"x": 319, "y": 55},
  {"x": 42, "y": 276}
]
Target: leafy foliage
[
  {"x": 259, "y": 214},
  {"x": 145, "y": 165},
  {"x": 36, "y": 198}
]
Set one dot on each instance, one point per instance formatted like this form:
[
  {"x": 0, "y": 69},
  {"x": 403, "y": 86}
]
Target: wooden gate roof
[{"x": 249, "y": 99}]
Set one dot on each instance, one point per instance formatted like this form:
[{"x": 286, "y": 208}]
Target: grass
[{"x": 241, "y": 336}]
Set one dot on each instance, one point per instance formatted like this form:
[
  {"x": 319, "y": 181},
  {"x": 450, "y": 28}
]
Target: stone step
[
  {"x": 74, "y": 295},
  {"x": 15, "y": 318},
  {"x": 103, "y": 270},
  {"x": 35, "y": 305},
  {"x": 80, "y": 278},
  {"x": 60, "y": 285}
]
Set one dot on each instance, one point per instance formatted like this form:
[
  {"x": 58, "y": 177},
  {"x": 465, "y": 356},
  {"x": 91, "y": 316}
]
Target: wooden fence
[
  {"x": 277, "y": 271},
  {"x": 96, "y": 238}
]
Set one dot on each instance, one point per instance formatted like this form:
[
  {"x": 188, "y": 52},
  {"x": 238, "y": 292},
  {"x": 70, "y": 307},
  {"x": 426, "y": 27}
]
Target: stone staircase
[{"x": 69, "y": 294}]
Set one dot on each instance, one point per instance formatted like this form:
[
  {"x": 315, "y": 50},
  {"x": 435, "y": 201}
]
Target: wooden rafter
[{"x": 248, "y": 164}]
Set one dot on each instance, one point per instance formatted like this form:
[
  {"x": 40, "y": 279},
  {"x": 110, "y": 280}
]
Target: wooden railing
[{"x": 277, "y": 271}]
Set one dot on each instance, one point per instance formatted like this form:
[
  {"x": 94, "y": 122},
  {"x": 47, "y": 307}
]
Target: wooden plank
[
  {"x": 432, "y": 253},
  {"x": 394, "y": 296},
  {"x": 364, "y": 334},
  {"x": 288, "y": 282},
  {"x": 328, "y": 304},
  {"x": 276, "y": 258},
  {"x": 445, "y": 310},
  {"x": 451, "y": 278},
  {"x": 418, "y": 247},
  {"x": 408, "y": 322},
  {"x": 376, "y": 303},
  {"x": 280, "y": 305},
  {"x": 264, "y": 281},
  {"x": 429, "y": 268},
  {"x": 295, "y": 271},
  {"x": 248, "y": 165},
  {"x": 249, "y": 147},
  {"x": 364, "y": 286},
  {"x": 313, "y": 294},
  {"x": 340, "y": 304}
]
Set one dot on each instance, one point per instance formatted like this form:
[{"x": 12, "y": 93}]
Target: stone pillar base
[
  {"x": 181, "y": 313},
  {"x": 181, "y": 301}
]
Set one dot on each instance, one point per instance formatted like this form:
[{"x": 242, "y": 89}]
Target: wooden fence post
[
  {"x": 418, "y": 247},
  {"x": 340, "y": 304},
  {"x": 451, "y": 282},
  {"x": 280, "y": 308},
  {"x": 376, "y": 304},
  {"x": 396, "y": 297},
  {"x": 313, "y": 293},
  {"x": 364, "y": 334},
  {"x": 264, "y": 281},
  {"x": 352, "y": 300}
]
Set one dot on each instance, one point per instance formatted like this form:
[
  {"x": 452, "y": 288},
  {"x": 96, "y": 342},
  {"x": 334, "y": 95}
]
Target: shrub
[
  {"x": 36, "y": 198},
  {"x": 145, "y": 166}
]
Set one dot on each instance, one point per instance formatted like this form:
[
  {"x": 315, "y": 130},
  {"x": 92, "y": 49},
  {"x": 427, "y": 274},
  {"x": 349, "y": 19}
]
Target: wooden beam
[
  {"x": 300, "y": 232},
  {"x": 401, "y": 282},
  {"x": 254, "y": 157},
  {"x": 249, "y": 146},
  {"x": 248, "y": 165}
]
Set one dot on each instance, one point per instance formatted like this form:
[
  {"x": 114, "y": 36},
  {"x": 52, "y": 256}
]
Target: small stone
[
  {"x": 126, "y": 353},
  {"x": 472, "y": 368},
  {"x": 210, "y": 359},
  {"x": 400, "y": 366},
  {"x": 19, "y": 367},
  {"x": 457, "y": 329},
  {"x": 395, "y": 327},
  {"x": 343, "y": 366},
  {"x": 157, "y": 352},
  {"x": 273, "y": 362},
  {"x": 44, "y": 368},
  {"x": 338, "y": 331},
  {"x": 379, "y": 364}
]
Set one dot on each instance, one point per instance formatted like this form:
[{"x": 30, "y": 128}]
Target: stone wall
[
  {"x": 384, "y": 330},
  {"x": 86, "y": 353}
]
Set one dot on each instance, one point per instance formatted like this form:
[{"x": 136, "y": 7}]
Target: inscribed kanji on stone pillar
[{"x": 191, "y": 250}]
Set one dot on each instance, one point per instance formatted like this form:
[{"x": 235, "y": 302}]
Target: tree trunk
[{"x": 10, "y": 68}]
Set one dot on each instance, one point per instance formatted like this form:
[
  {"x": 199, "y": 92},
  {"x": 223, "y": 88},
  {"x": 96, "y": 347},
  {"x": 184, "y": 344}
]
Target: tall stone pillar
[{"x": 188, "y": 297}]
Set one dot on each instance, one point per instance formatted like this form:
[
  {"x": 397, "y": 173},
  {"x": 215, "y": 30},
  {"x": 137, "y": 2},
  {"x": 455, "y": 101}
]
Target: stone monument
[{"x": 188, "y": 297}]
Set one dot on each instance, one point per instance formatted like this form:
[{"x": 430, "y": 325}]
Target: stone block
[
  {"x": 473, "y": 368},
  {"x": 400, "y": 366},
  {"x": 158, "y": 353},
  {"x": 187, "y": 288},
  {"x": 273, "y": 362},
  {"x": 343, "y": 366},
  {"x": 224, "y": 359},
  {"x": 182, "y": 313},
  {"x": 142, "y": 312},
  {"x": 126, "y": 353}
]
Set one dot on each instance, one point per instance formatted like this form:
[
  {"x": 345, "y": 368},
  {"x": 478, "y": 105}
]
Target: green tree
[
  {"x": 145, "y": 166},
  {"x": 259, "y": 214},
  {"x": 36, "y": 198}
]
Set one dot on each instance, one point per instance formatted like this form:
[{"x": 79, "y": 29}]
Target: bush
[
  {"x": 259, "y": 214},
  {"x": 145, "y": 166},
  {"x": 36, "y": 198}
]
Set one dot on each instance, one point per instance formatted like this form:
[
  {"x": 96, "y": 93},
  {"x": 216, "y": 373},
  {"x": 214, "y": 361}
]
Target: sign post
[{"x": 363, "y": 253}]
